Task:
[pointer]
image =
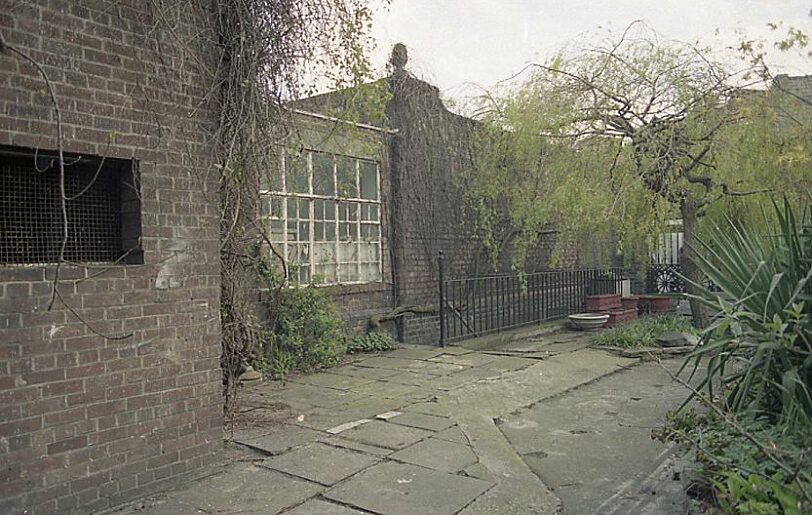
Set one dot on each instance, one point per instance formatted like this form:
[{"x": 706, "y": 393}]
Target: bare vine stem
[{"x": 6, "y": 47}]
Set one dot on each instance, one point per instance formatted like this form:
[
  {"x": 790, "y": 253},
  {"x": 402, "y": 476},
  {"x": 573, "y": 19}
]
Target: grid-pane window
[{"x": 325, "y": 218}]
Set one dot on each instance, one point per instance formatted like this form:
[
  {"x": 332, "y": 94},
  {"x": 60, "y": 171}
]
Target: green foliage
[
  {"x": 304, "y": 332},
  {"x": 641, "y": 332},
  {"x": 746, "y": 477},
  {"x": 371, "y": 342},
  {"x": 758, "y": 495},
  {"x": 607, "y": 143},
  {"x": 598, "y": 144},
  {"x": 759, "y": 348}
]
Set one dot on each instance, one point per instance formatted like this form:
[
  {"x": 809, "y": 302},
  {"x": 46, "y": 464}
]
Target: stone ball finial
[{"x": 399, "y": 56}]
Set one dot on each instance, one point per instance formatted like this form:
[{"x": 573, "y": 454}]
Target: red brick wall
[{"x": 88, "y": 422}]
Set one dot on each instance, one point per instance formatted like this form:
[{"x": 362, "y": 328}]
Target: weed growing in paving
[
  {"x": 641, "y": 332},
  {"x": 305, "y": 331},
  {"x": 371, "y": 342}
]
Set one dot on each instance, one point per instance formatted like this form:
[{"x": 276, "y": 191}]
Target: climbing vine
[{"x": 226, "y": 72}]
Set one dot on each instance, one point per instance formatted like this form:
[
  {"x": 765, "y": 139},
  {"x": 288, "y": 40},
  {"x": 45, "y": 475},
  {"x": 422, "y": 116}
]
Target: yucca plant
[{"x": 759, "y": 346}]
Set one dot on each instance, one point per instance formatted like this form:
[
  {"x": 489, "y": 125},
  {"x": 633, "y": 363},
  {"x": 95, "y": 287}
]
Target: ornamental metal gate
[{"x": 666, "y": 264}]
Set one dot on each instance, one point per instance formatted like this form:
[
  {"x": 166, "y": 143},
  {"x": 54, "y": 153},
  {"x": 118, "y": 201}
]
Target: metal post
[{"x": 441, "y": 264}]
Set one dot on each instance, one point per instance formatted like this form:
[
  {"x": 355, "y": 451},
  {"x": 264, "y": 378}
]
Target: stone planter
[{"x": 588, "y": 321}]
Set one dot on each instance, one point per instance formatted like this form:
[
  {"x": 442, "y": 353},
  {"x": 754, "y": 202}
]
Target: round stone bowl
[{"x": 588, "y": 321}]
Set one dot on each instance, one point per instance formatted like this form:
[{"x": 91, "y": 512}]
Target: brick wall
[
  {"x": 87, "y": 422},
  {"x": 428, "y": 158}
]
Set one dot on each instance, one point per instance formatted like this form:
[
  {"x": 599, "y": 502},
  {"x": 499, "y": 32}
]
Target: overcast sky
[{"x": 454, "y": 43}]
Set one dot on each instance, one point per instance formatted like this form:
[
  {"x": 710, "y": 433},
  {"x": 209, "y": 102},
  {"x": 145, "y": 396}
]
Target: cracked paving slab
[
  {"x": 404, "y": 489},
  {"x": 438, "y": 451},
  {"x": 438, "y": 455},
  {"x": 235, "y": 490},
  {"x": 308, "y": 462},
  {"x": 593, "y": 445},
  {"x": 278, "y": 439},
  {"x": 386, "y": 435}
]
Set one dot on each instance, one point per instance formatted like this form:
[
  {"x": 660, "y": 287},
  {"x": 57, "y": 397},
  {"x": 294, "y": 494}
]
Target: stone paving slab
[
  {"x": 328, "y": 380},
  {"x": 403, "y": 489},
  {"x": 468, "y": 376},
  {"x": 237, "y": 490},
  {"x": 309, "y": 462},
  {"x": 509, "y": 364},
  {"x": 479, "y": 471},
  {"x": 314, "y": 395},
  {"x": 384, "y": 434},
  {"x": 319, "y": 507},
  {"x": 467, "y": 360},
  {"x": 357, "y": 446},
  {"x": 366, "y": 372},
  {"x": 279, "y": 439},
  {"x": 369, "y": 406},
  {"x": 412, "y": 378},
  {"x": 594, "y": 441},
  {"x": 439, "y": 368},
  {"x": 456, "y": 350},
  {"x": 438, "y": 455},
  {"x": 387, "y": 390},
  {"x": 423, "y": 421},
  {"x": 427, "y": 407},
  {"x": 415, "y": 353},
  {"x": 467, "y": 468},
  {"x": 323, "y": 419},
  {"x": 452, "y": 434},
  {"x": 397, "y": 364}
]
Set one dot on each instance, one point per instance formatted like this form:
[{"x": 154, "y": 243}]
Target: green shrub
[
  {"x": 304, "y": 331},
  {"x": 641, "y": 332},
  {"x": 742, "y": 478},
  {"x": 755, "y": 364},
  {"x": 371, "y": 342},
  {"x": 759, "y": 348}
]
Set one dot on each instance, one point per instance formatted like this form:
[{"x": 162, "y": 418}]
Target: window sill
[{"x": 348, "y": 288}]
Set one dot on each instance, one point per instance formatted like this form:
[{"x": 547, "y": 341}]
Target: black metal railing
[{"x": 477, "y": 306}]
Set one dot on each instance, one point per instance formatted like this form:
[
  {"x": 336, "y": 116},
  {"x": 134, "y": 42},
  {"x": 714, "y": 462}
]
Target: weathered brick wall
[
  {"x": 800, "y": 85},
  {"x": 428, "y": 158},
  {"x": 88, "y": 422}
]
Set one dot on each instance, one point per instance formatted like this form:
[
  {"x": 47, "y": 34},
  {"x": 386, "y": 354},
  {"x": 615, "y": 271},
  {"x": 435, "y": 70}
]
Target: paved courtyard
[{"x": 542, "y": 424}]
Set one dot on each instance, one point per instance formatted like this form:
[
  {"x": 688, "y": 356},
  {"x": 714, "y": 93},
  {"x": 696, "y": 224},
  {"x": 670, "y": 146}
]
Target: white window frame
[{"x": 284, "y": 196}]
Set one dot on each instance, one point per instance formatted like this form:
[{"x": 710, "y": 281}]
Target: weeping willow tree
[{"x": 610, "y": 142}]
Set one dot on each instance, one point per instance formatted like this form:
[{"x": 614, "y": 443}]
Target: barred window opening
[{"x": 103, "y": 209}]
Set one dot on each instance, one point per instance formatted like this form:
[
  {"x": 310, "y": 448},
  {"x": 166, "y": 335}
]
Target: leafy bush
[
  {"x": 755, "y": 363},
  {"x": 371, "y": 342},
  {"x": 752, "y": 465},
  {"x": 304, "y": 331},
  {"x": 641, "y": 332},
  {"x": 759, "y": 348}
]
